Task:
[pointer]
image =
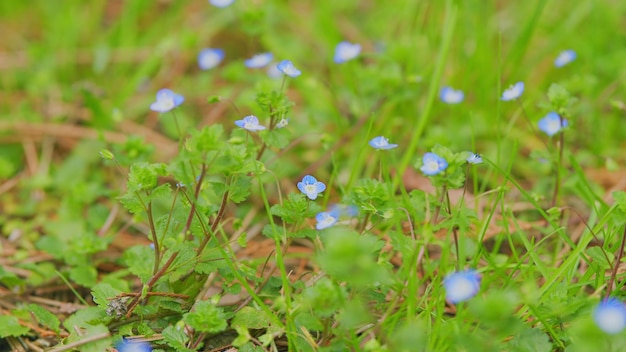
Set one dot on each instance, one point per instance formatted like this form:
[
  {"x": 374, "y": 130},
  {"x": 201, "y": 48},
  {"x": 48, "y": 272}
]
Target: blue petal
[{"x": 309, "y": 180}]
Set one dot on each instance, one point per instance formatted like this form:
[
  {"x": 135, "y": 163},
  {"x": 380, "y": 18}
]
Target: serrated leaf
[
  {"x": 206, "y": 318},
  {"x": 10, "y": 326},
  {"x": 44, "y": 317},
  {"x": 84, "y": 275},
  {"x": 102, "y": 293},
  {"x": 239, "y": 190},
  {"x": 97, "y": 337},
  {"x": 140, "y": 260},
  {"x": 130, "y": 201},
  {"x": 251, "y": 318},
  {"x": 531, "y": 340},
  {"x": 175, "y": 338}
]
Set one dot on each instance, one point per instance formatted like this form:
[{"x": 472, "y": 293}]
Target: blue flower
[
  {"x": 166, "y": 100},
  {"x": 450, "y": 96},
  {"x": 551, "y": 123},
  {"x": 282, "y": 123},
  {"x": 311, "y": 187},
  {"x": 210, "y": 58},
  {"x": 513, "y": 92},
  {"x": 433, "y": 164},
  {"x": 250, "y": 123},
  {"x": 564, "y": 58},
  {"x": 288, "y": 68},
  {"x": 381, "y": 143},
  {"x": 610, "y": 315},
  {"x": 346, "y": 51},
  {"x": 221, "y": 3},
  {"x": 259, "y": 60},
  {"x": 325, "y": 220},
  {"x": 133, "y": 346},
  {"x": 461, "y": 286},
  {"x": 474, "y": 159}
]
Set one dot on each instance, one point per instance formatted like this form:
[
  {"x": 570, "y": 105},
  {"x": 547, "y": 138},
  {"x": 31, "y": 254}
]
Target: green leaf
[
  {"x": 530, "y": 340},
  {"x": 10, "y": 326},
  {"x": 144, "y": 176},
  {"x": 206, "y": 318},
  {"x": 84, "y": 275},
  {"x": 278, "y": 138},
  {"x": 239, "y": 189},
  {"x": 176, "y": 338},
  {"x": 96, "y": 334},
  {"x": 44, "y": 317},
  {"x": 295, "y": 208},
  {"x": 251, "y": 318},
  {"x": 102, "y": 293},
  {"x": 140, "y": 260}
]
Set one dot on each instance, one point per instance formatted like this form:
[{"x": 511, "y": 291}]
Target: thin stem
[
  {"x": 180, "y": 134},
  {"x": 557, "y": 181},
  {"x": 155, "y": 239},
  {"x": 618, "y": 259}
]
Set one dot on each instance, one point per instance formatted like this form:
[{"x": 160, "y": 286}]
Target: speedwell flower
[
  {"x": 325, "y": 220},
  {"x": 210, "y": 58},
  {"x": 451, "y": 96},
  {"x": 433, "y": 164},
  {"x": 250, "y": 123},
  {"x": 461, "y": 286},
  {"x": 564, "y": 58},
  {"x": 282, "y": 123},
  {"x": 551, "y": 123},
  {"x": 381, "y": 143},
  {"x": 166, "y": 100},
  {"x": 346, "y": 51},
  {"x": 287, "y": 67},
  {"x": 221, "y": 3},
  {"x": 311, "y": 187},
  {"x": 513, "y": 92},
  {"x": 610, "y": 315},
  {"x": 474, "y": 159},
  {"x": 133, "y": 346},
  {"x": 259, "y": 60}
]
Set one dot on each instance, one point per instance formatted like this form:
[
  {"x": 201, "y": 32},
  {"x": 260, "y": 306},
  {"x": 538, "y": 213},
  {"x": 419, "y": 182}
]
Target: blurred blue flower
[
  {"x": 610, "y": 315},
  {"x": 551, "y": 123},
  {"x": 433, "y": 164},
  {"x": 474, "y": 159},
  {"x": 513, "y": 92},
  {"x": 288, "y": 68},
  {"x": 381, "y": 143},
  {"x": 250, "y": 123},
  {"x": 325, "y": 220},
  {"x": 450, "y": 96},
  {"x": 221, "y": 3},
  {"x": 346, "y": 51},
  {"x": 209, "y": 58},
  {"x": 311, "y": 187},
  {"x": 259, "y": 60},
  {"x": 166, "y": 100},
  {"x": 282, "y": 123},
  {"x": 461, "y": 286},
  {"x": 133, "y": 346},
  {"x": 564, "y": 58}
]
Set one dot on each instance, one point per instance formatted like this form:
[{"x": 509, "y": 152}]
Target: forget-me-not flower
[
  {"x": 250, "y": 123},
  {"x": 474, "y": 158},
  {"x": 221, "y": 3},
  {"x": 282, "y": 123},
  {"x": 433, "y": 164},
  {"x": 210, "y": 58},
  {"x": 610, "y": 315},
  {"x": 311, "y": 187},
  {"x": 513, "y": 92},
  {"x": 326, "y": 219},
  {"x": 461, "y": 286},
  {"x": 259, "y": 60},
  {"x": 564, "y": 58},
  {"x": 381, "y": 143},
  {"x": 346, "y": 51},
  {"x": 551, "y": 123},
  {"x": 166, "y": 100},
  {"x": 287, "y": 67},
  {"x": 451, "y": 96},
  {"x": 133, "y": 346}
]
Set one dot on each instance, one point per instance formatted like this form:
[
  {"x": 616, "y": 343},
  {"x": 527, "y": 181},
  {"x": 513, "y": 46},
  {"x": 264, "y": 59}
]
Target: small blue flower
[
  {"x": 461, "y": 286},
  {"x": 166, "y": 100},
  {"x": 433, "y": 164},
  {"x": 342, "y": 210},
  {"x": 133, "y": 346},
  {"x": 210, "y": 58},
  {"x": 250, "y": 123},
  {"x": 450, "y": 96},
  {"x": 346, "y": 51},
  {"x": 325, "y": 220},
  {"x": 311, "y": 187},
  {"x": 381, "y": 143},
  {"x": 610, "y": 315},
  {"x": 259, "y": 60},
  {"x": 474, "y": 159},
  {"x": 288, "y": 68},
  {"x": 282, "y": 123},
  {"x": 564, "y": 58},
  {"x": 551, "y": 124},
  {"x": 513, "y": 92},
  {"x": 221, "y": 3}
]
